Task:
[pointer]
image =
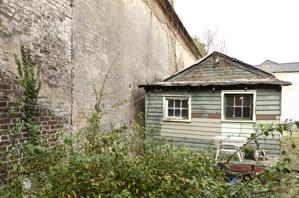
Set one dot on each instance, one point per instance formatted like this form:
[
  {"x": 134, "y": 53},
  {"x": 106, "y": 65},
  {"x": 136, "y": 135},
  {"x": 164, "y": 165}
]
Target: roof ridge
[
  {"x": 225, "y": 56},
  {"x": 268, "y": 60},
  {"x": 289, "y": 63},
  {"x": 190, "y": 66},
  {"x": 246, "y": 64}
]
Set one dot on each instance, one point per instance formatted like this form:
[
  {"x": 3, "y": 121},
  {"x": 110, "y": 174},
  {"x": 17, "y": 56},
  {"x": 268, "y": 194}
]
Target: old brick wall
[
  {"x": 10, "y": 91},
  {"x": 75, "y": 42},
  {"x": 46, "y": 28}
]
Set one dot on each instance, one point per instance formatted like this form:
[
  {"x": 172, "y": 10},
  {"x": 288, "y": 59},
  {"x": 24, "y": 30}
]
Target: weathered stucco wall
[
  {"x": 132, "y": 33},
  {"x": 76, "y": 42},
  {"x": 290, "y": 96}
]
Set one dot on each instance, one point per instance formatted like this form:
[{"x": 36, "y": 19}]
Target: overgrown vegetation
[
  {"x": 119, "y": 162},
  {"x": 24, "y": 107},
  {"x": 122, "y": 164},
  {"x": 27, "y": 103}
]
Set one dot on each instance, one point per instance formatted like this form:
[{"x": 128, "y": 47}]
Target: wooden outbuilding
[{"x": 217, "y": 96}]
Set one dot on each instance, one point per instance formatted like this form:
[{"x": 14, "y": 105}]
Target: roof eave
[{"x": 192, "y": 84}]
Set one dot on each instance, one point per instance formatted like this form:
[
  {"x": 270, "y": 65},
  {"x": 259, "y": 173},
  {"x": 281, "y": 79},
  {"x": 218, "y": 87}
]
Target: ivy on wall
[{"x": 30, "y": 82}]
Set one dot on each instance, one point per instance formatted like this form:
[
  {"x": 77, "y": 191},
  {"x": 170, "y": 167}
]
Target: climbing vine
[{"x": 30, "y": 82}]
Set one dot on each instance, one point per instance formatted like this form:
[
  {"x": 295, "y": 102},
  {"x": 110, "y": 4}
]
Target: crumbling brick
[{"x": 50, "y": 124}]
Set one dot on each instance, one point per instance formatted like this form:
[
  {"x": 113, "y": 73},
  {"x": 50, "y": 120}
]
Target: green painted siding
[{"x": 198, "y": 133}]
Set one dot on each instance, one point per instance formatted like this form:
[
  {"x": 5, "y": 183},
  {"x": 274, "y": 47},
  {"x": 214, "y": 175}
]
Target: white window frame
[
  {"x": 176, "y": 97},
  {"x": 251, "y": 92}
]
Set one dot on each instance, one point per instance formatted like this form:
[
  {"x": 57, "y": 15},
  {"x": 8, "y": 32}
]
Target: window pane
[
  {"x": 177, "y": 113},
  {"x": 238, "y": 112},
  {"x": 185, "y": 113},
  {"x": 229, "y": 112},
  {"x": 247, "y": 100},
  {"x": 247, "y": 112},
  {"x": 170, "y": 103},
  {"x": 177, "y": 103},
  {"x": 230, "y": 100},
  {"x": 185, "y": 103},
  {"x": 238, "y": 100},
  {"x": 170, "y": 112}
]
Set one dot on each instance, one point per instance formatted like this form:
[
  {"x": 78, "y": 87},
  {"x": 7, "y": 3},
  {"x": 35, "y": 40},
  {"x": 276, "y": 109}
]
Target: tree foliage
[
  {"x": 200, "y": 46},
  {"x": 210, "y": 41}
]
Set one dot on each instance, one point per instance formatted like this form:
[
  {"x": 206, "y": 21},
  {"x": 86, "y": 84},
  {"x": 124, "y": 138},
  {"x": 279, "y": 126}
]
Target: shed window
[
  {"x": 177, "y": 108},
  {"x": 238, "y": 106}
]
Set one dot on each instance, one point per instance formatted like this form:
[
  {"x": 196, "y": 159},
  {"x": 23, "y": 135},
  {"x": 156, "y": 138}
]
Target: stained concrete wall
[
  {"x": 76, "y": 42},
  {"x": 290, "y": 96}
]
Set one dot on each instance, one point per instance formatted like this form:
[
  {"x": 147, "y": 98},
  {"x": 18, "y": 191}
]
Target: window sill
[
  {"x": 239, "y": 121},
  {"x": 174, "y": 120}
]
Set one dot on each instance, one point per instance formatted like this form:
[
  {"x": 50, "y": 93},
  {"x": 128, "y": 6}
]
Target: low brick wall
[{"x": 9, "y": 115}]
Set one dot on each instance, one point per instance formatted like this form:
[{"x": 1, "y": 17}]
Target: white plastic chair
[{"x": 229, "y": 144}]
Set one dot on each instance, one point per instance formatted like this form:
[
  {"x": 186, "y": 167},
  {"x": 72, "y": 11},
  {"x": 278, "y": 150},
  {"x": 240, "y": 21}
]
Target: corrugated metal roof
[{"x": 274, "y": 67}]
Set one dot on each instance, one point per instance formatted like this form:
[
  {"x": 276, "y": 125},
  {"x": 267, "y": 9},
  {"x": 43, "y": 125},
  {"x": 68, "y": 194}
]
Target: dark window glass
[
  {"x": 185, "y": 103},
  {"x": 170, "y": 103},
  {"x": 238, "y": 112},
  {"x": 238, "y": 106},
  {"x": 170, "y": 112},
  {"x": 185, "y": 113},
  {"x": 230, "y": 100},
  {"x": 178, "y": 108},
  {"x": 238, "y": 100},
  {"x": 230, "y": 112},
  {"x": 177, "y": 103},
  {"x": 246, "y": 112},
  {"x": 177, "y": 112},
  {"x": 247, "y": 100}
]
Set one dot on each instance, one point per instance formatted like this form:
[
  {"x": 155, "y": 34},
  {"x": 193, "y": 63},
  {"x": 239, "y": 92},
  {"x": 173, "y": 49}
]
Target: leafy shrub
[
  {"x": 122, "y": 164},
  {"x": 249, "y": 152}
]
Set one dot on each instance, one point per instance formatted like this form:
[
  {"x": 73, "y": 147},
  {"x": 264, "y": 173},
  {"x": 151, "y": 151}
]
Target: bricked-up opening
[{"x": 50, "y": 124}]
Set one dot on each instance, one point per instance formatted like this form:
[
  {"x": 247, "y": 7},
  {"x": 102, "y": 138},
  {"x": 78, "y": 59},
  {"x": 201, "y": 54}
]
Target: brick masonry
[{"x": 9, "y": 114}]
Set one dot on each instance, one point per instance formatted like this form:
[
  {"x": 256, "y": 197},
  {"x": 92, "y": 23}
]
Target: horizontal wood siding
[
  {"x": 195, "y": 135},
  {"x": 271, "y": 145},
  {"x": 153, "y": 113},
  {"x": 199, "y": 132},
  {"x": 198, "y": 128},
  {"x": 268, "y": 101},
  {"x": 201, "y": 101}
]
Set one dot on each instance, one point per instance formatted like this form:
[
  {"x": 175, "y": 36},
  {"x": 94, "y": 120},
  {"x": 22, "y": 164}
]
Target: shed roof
[
  {"x": 274, "y": 67},
  {"x": 218, "y": 69}
]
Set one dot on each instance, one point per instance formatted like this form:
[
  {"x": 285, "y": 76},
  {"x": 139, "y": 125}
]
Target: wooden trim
[
  {"x": 165, "y": 107},
  {"x": 206, "y": 115},
  {"x": 253, "y": 92},
  {"x": 267, "y": 117}
]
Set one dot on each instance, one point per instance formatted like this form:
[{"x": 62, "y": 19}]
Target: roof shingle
[
  {"x": 218, "y": 69},
  {"x": 274, "y": 67}
]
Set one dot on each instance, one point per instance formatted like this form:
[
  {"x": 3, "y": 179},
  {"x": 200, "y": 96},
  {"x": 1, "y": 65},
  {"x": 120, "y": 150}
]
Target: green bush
[
  {"x": 119, "y": 162},
  {"x": 122, "y": 164},
  {"x": 249, "y": 152}
]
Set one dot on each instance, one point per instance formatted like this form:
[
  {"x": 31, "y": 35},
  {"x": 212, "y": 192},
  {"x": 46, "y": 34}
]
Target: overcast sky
[{"x": 254, "y": 30}]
